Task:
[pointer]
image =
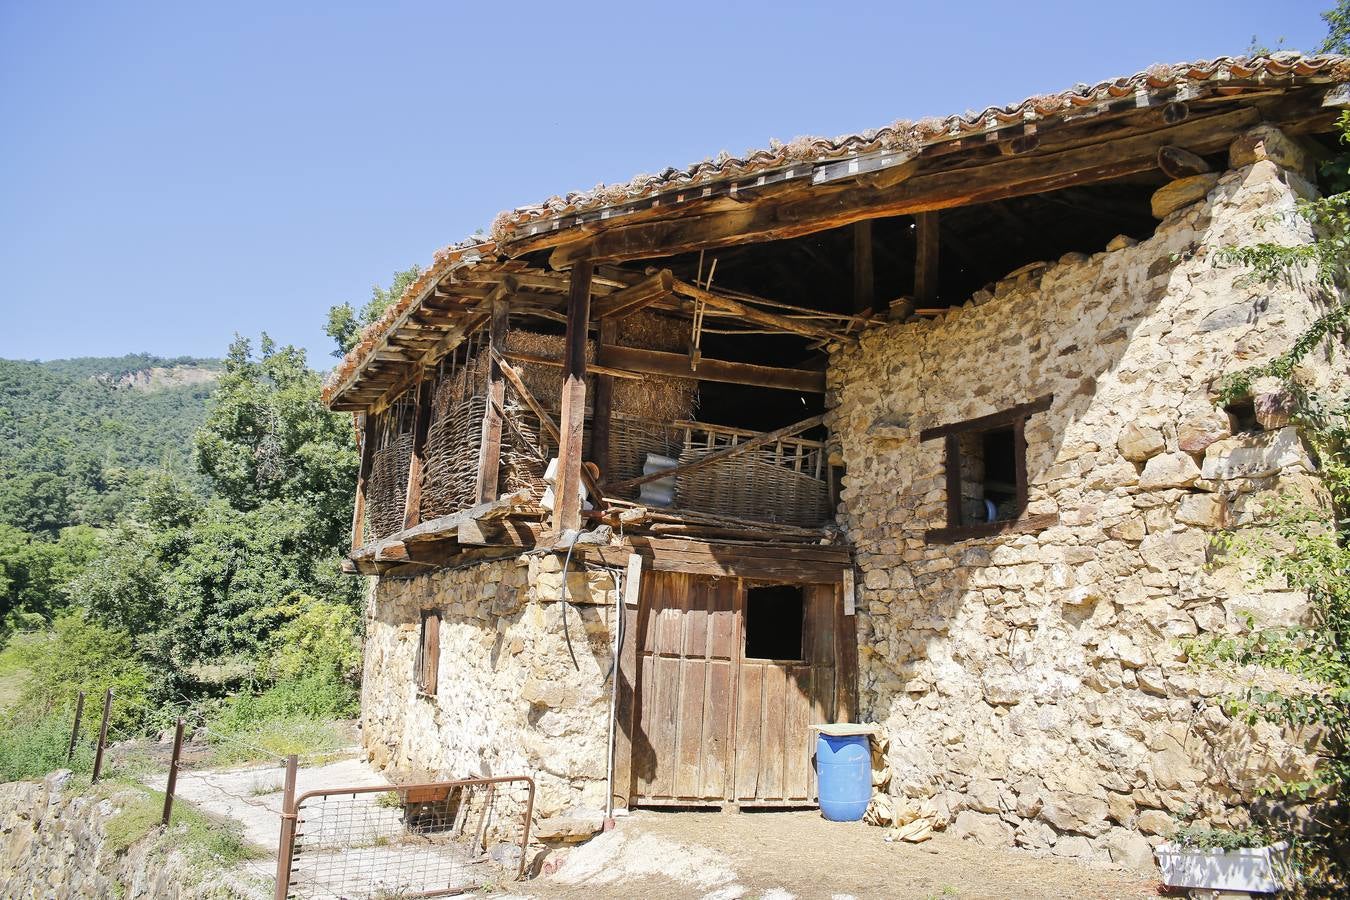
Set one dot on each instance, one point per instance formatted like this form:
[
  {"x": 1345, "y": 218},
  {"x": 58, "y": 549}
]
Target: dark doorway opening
[{"x": 774, "y": 617}]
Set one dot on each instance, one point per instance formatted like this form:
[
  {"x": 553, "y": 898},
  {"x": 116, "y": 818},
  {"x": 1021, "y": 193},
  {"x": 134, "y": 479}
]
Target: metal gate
[{"x": 419, "y": 840}]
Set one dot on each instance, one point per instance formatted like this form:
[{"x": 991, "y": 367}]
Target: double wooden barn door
[{"x": 713, "y": 725}]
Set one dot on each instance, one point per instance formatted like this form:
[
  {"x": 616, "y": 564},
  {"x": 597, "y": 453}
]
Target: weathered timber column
[
  {"x": 926, "y": 259},
  {"x": 603, "y": 405},
  {"x": 490, "y": 447},
  {"x": 412, "y": 501},
  {"x": 567, "y": 489},
  {"x": 864, "y": 284},
  {"x": 365, "y": 422}
]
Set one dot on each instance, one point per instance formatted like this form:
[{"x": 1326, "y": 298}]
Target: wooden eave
[
  {"x": 1101, "y": 142},
  {"x": 447, "y": 312}
]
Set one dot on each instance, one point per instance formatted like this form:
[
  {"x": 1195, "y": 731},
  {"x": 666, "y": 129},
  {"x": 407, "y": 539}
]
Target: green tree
[
  {"x": 1338, "y": 29},
  {"x": 268, "y": 437},
  {"x": 345, "y": 323},
  {"x": 36, "y": 572}
]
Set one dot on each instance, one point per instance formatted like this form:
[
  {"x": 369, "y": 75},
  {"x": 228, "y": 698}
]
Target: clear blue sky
[{"x": 173, "y": 173}]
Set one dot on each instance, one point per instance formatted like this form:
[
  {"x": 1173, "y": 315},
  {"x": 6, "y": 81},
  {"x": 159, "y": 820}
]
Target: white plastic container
[{"x": 1257, "y": 870}]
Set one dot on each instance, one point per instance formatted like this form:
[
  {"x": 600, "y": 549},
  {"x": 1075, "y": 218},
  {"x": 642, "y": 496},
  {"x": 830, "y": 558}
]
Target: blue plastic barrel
[{"x": 843, "y": 776}]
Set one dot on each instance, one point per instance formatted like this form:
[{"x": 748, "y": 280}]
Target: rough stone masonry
[{"x": 1035, "y": 684}]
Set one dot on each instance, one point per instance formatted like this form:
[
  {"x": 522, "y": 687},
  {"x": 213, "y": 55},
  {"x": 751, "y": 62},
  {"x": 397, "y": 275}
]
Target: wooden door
[
  {"x": 711, "y": 725},
  {"x": 777, "y": 702}
]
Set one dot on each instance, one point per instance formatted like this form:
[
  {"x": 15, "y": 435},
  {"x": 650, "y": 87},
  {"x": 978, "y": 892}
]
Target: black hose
[{"x": 567, "y": 634}]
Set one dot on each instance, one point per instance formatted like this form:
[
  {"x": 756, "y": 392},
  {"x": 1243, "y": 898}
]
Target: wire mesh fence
[{"x": 423, "y": 840}]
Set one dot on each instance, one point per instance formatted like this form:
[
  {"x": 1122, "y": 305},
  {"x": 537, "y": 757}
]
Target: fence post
[
  {"x": 286, "y": 846},
  {"x": 102, "y": 736},
  {"x": 173, "y": 771},
  {"x": 75, "y": 729}
]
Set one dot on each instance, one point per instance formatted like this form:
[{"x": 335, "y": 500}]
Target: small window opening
[
  {"x": 774, "y": 620},
  {"x": 428, "y": 663},
  {"x": 1242, "y": 416},
  {"x": 988, "y": 476}
]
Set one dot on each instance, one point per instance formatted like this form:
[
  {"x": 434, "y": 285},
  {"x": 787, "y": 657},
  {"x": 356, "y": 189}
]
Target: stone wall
[
  {"x": 1035, "y": 683},
  {"x": 509, "y": 699},
  {"x": 54, "y": 848}
]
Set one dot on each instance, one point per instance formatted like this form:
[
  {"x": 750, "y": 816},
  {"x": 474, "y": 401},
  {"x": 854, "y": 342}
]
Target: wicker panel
[
  {"x": 450, "y": 476},
  {"x": 752, "y": 485},
  {"x": 630, "y": 440},
  {"x": 388, "y": 486}
]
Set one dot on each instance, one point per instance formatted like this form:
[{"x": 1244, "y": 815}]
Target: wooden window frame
[
  {"x": 426, "y": 668},
  {"x": 1016, "y": 418}
]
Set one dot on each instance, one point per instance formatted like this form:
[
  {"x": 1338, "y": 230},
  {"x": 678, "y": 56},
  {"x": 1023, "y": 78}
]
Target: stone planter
[{"x": 1256, "y": 870}]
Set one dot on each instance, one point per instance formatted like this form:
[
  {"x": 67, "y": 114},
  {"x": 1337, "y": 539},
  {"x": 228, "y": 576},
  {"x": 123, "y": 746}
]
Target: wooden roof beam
[
  {"x": 808, "y": 211},
  {"x": 757, "y": 316},
  {"x": 639, "y": 296}
]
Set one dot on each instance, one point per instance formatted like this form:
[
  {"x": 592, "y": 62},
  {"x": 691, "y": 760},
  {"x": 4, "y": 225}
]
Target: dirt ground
[{"x": 782, "y": 855}]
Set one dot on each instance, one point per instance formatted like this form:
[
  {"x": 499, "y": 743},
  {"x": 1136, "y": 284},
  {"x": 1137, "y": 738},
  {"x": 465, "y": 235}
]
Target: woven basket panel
[{"x": 387, "y": 486}]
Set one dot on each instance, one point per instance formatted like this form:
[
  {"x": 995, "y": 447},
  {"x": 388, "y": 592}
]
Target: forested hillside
[
  {"x": 171, "y": 528},
  {"x": 79, "y": 437}
]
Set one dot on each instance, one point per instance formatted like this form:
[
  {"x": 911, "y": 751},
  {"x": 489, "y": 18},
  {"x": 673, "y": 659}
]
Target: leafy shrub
[
  {"x": 80, "y": 655},
  {"x": 1199, "y": 837},
  {"x": 30, "y": 748}
]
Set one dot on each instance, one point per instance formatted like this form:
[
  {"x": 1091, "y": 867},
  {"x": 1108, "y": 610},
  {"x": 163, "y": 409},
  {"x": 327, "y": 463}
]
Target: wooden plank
[
  {"x": 749, "y": 725},
  {"x": 719, "y": 455},
  {"x": 926, "y": 258},
  {"x": 629, "y": 300},
  {"x": 717, "y": 761},
  {"x": 797, "y": 733},
  {"x": 1024, "y": 525},
  {"x": 773, "y": 750},
  {"x": 999, "y": 419},
  {"x": 754, "y": 314},
  {"x": 845, "y": 663},
  {"x": 412, "y": 506},
  {"x": 508, "y": 533},
  {"x": 602, "y": 407},
  {"x": 490, "y": 442},
  {"x": 676, "y": 365},
  {"x": 864, "y": 276},
  {"x": 664, "y": 724},
  {"x": 689, "y": 743},
  {"x": 625, "y": 702},
  {"x": 572, "y": 419},
  {"x": 952, "y": 464},
  {"x": 805, "y": 571},
  {"x": 806, "y": 211},
  {"x": 366, "y": 424}
]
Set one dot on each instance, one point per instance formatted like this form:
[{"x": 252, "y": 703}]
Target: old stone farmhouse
[{"x": 916, "y": 426}]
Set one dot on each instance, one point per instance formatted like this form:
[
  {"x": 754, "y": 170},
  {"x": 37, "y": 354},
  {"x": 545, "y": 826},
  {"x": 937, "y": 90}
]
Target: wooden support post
[
  {"x": 75, "y": 729},
  {"x": 173, "y": 772},
  {"x": 490, "y": 445},
  {"x": 567, "y": 489},
  {"x": 864, "y": 281},
  {"x": 926, "y": 259},
  {"x": 102, "y": 736},
  {"x": 286, "y": 845},
  {"x": 846, "y": 655},
  {"x": 366, "y": 422},
  {"x": 603, "y": 405},
  {"x": 625, "y": 700},
  {"x": 412, "y": 504}
]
